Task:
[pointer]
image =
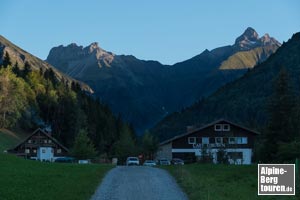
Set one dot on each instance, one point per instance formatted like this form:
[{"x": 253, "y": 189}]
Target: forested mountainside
[
  {"x": 21, "y": 57},
  {"x": 33, "y": 94},
  {"x": 143, "y": 92},
  {"x": 244, "y": 100}
]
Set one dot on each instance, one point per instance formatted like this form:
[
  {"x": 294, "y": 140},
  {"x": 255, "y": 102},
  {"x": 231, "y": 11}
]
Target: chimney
[{"x": 48, "y": 129}]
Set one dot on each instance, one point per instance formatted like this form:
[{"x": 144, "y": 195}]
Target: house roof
[
  {"x": 204, "y": 127},
  {"x": 43, "y": 132}
]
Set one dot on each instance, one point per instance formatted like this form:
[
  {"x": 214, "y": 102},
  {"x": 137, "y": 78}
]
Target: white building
[{"x": 219, "y": 140}]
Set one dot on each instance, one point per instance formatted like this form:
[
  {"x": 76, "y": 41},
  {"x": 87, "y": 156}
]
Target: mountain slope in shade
[
  {"x": 244, "y": 100},
  {"x": 143, "y": 92},
  {"x": 21, "y": 56}
]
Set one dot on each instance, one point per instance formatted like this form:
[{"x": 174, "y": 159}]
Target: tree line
[
  {"x": 280, "y": 138},
  {"x": 37, "y": 98}
]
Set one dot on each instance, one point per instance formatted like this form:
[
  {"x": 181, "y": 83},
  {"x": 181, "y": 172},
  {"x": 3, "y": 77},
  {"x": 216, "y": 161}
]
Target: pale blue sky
[{"x": 169, "y": 31}]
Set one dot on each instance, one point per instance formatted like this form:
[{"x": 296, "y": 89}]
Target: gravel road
[{"x": 138, "y": 183}]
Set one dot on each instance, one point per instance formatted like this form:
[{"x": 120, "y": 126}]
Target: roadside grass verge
[
  {"x": 219, "y": 182},
  {"x": 33, "y": 180}
]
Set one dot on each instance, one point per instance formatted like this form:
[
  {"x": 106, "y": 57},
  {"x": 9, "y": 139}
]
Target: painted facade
[{"x": 221, "y": 138}]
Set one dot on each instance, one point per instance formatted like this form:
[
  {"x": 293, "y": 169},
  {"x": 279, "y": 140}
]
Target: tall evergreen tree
[
  {"x": 6, "y": 60},
  {"x": 16, "y": 69},
  {"x": 27, "y": 69},
  {"x": 83, "y": 147},
  {"x": 280, "y": 127},
  {"x": 125, "y": 146},
  {"x": 149, "y": 145}
]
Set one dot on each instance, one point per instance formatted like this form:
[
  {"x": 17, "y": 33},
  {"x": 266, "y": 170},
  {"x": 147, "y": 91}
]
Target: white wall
[
  {"x": 247, "y": 154},
  {"x": 164, "y": 151},
  {"x": 45, "y": 153}
]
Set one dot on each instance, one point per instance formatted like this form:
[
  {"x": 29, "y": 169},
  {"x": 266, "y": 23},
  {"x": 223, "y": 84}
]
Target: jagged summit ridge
[
  {"x": 125, "y": 82},
  {"x": 90, "y": 54},
  {"x": 250, "y": 39},
  {"x": 250, "y": 34}
]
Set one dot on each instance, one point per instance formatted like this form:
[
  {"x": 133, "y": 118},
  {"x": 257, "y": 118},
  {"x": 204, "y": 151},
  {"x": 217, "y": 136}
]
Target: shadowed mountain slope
[{"x": 143, "y": 92}]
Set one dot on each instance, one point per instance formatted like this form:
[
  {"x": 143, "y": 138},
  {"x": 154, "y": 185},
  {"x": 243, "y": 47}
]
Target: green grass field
[
  {"x": 8, "y": 140},
  {"x": 24, "y": 179},
  {"x": 219, "y": 182}
]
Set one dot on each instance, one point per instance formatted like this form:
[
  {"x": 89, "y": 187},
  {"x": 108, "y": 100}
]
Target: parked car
[
  {"x": 150, "y": 163},
  {"x": 65, "y": 160},
  {"x": 84, "y": 161},
  {"x": 132, "y": 161},
  {"x": 177, "y": 161},
  {"x": 164, "y": 162}
]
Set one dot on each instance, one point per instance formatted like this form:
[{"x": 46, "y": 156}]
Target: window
[
  {"x": 29, "y": 141},
  {"x": 244, "y": 140},
  {"x": 226, "y": 127},
  {"x": 58, "y": 151},
  {"x": 49, "y": 141},
  {"x": 27, "y": 150},
  {"x": 34, "y": 150},
  {"x": 218, "y": 127},
  {"x": 231, "y": 140},
  {"x": 45, "y": 141},
  {"x": 205, "y": 140},
  {"x": 219, "y": 140},
  {"x": 239, "y": 140},
  {"x": 43, "y": 151},
  {"x": 192, "y": 140}
]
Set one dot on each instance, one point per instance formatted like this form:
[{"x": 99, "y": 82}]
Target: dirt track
[{"x": 138, "y": 183}]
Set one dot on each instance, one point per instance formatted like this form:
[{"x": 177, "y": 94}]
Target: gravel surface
[{"x": 138, "y": 183}]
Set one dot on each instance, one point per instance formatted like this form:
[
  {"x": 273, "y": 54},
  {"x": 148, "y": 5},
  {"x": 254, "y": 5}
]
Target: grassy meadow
[
  {"x": 219, "y": 182},
  {"x": 24, "y": 179},
  {"x": 8, "y": 139}
]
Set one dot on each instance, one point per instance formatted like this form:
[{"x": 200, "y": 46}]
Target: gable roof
[
  {"x": 206, "y": 126},
  {"x": 43, "y": 132}
]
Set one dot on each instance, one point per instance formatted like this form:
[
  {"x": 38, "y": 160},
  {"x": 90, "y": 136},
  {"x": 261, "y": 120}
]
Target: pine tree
[
  {"x": 280, "y": 127},
  {"x": 6, "y": 60},
  {"x": 149, "y": 145},
  {"x": 16, "y": 69},
  {"x": 125, "y": 146},
  {"x": 83, "y": 147},
  {"x": 27, "y": 69}
]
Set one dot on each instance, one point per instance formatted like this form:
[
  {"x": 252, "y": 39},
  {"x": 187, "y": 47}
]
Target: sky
[{"x": 168, "y": 31}]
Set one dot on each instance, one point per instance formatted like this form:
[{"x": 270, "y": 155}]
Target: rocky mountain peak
[
  {"x": 250, "y": 39},
  {"x": 101, "y": 54},
  {"x": 247, "y": 39},
  {"x": 94, "y": 46},
  {"x": 267, "y": 40},
  {"x": 71, "y": 45},
  {"x": 250, "y": 34},
  {"x": 92, "y": 55}
]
